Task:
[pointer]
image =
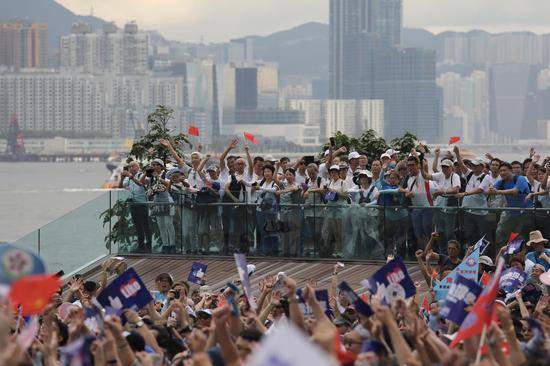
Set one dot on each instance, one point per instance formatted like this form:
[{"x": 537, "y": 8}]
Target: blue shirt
[
  {"x": 520, "y": 183},
  {"x": 535, "y": 258}
]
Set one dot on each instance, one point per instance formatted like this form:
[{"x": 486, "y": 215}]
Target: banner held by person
[
  {"x": 468, "y": 268},
  {"x": 360, "y": 306},
  {"x": 197, "y": 273},
  {"x": 463, "y": 293},
  {"x": 33, "y": 292},
  {"x": 515, "y": 246},
  {"x": 512, "y": 279},
  {"x": 320, "y": 295},
  {"x": 242, "y": 268},
  {"x": 127, "y": 291},
  {"x": 392, "y": 282}
]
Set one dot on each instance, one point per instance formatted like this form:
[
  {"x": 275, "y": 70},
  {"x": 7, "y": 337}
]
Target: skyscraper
[
  {"x": 23, "y": 45},
  {"x": 367, "y": 62}
]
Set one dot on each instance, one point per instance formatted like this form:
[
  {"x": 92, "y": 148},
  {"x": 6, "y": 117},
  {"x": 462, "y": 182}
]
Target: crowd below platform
[
  {"x": 197, "y": 324},
  {"x": 336, "y": 205}
]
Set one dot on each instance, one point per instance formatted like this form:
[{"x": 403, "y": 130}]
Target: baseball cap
[
  {"x": 334, "y": 167},
  {"x": 446, "y": 162},
  {"x": 270, "y": 158},
  {"x": 204, "y": 311},
  {"x": 477, "y": 161},
  {"x": 212, "y": 168},
  {"x": 391, "y": 152},
  {"x": 158, "y": 161},
  {"x": 343, "y": 166},
  {"x": 385, "y": 155},
  {"x": 353, "y": 155},
  {"x": 364, "y": 172},
  {"x": 171, "y": 172}
]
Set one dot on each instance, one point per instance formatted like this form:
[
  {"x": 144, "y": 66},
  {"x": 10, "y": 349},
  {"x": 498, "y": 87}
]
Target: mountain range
[{"x": 301, "y": 52}]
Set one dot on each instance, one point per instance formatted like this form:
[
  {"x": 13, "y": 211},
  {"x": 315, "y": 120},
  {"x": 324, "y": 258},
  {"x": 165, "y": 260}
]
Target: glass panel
[{"x": 74, "y": 239}]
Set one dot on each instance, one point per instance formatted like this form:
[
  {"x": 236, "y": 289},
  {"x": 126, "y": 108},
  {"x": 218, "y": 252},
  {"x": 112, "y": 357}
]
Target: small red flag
[
  {"x": 485, "y": 279},
  {"x": 426, "y": 305},
  {"x": 250, "y": 137},
  {"x": 454, "y": 139},
  {"x": 512, "y": 237},
  {"x": 33, "y": 292},
  {"x": 193, "y": 131},
  {"x": 344, "y": 356},
  {"x": 482, "y": 311},
  {"x": 434, "y": 274}
]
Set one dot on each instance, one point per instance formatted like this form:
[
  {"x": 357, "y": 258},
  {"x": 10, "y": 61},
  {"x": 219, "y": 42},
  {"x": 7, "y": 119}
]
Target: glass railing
[
  {"x": 114, "y": 224},
  {"x": 342, "y": 230},
  {"x": 75, "y": 239}
]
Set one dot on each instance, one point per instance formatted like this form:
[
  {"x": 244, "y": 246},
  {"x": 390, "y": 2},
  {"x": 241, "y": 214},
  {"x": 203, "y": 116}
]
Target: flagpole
[
  {"x": 481, "y": 342},
  {"x": 20, "y": 310}
]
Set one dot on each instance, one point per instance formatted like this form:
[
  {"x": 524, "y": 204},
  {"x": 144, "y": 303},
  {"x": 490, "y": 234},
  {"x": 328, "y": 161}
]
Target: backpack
[
  {"x": 235, "y": 188},
  {"x": 363, "y": 199}
]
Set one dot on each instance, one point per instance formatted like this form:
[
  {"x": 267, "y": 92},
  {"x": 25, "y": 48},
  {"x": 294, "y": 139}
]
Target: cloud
[{"x": 220, "y": 20}]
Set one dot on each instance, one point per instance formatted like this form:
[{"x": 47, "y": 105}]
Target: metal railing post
[
  {"x": 110, "y": 223},
  {"x": 38, "y": 242}
]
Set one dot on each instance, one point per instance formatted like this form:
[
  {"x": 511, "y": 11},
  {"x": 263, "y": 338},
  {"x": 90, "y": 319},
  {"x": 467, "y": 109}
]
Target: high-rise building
[
  {"x": 23, "y": 45},
  {"x": 119, "y": 51},
  {"x": 348, "y": 116},
  {"x": 366, "y": 62}
]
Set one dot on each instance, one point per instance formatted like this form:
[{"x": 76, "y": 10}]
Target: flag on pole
[
  {"x": 454, "y": 139},
  {"x": 512, "y": 237},
  {"x": 250, "y": 137},
  {"x": 434, "y": 274},
  {"x": 482, "y": 244},
  {"x": 242, "y": 269},
  {"x": 467, "y": 268},
  {"x": 482, "y": 311},
  {"x": 425, "y": 305},
  {"x": 193, "y": 130}
]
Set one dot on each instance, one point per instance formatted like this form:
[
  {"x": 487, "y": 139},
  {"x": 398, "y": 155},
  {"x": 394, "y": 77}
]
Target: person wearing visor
[{"x": 364, "y": 219}]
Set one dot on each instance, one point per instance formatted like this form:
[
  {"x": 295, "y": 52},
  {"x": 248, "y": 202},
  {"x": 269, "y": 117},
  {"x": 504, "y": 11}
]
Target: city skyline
[{"x": 191, "y": 20}]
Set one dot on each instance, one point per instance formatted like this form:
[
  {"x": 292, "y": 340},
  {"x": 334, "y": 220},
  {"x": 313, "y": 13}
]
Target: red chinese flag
[
  {"x": 485, "y": 279},
  {"x": 434, "y": 274},
  {"x": 482, "y": 311},
  {"x": 425, "y": 305},
  {"x": 512, "y": 237},
  {"x": 250, "y": 137},
  {"x": 454, "y": 139},
  {"x": 33, "y": 292},
  {"x": 193, "y": 130}
]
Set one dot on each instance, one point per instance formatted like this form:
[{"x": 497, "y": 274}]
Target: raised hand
[{"x": 165, "y": 142}]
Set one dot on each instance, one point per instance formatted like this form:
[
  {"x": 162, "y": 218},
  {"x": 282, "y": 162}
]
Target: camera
[{"x": 149, "y": 171}]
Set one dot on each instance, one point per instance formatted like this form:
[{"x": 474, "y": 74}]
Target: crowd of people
[
  {"x": 338, "y": 204},
  {"x": 188, "y": 324}
]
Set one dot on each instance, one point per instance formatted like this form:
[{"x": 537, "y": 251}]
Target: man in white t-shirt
[
  {"x": 475, "y": 196},
  {"x": 448, "y": 185},
  {"x": 418, "y": 190}
]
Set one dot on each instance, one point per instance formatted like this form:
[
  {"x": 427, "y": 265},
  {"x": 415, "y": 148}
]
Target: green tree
[
  {"x": 148, "y": 147},
  {"x": 405, "y": 144}
]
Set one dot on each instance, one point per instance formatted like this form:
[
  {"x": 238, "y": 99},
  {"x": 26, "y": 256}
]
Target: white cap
[
  {"x": 364, "y": 172},
  {"x": 446, "y": 162},
  {"x": 158, "y": 161},
  {"x": 251, "y": 269},
  {"x": 391, "y": 152},
  {"x": 334, "y": 167},
  {"x": 385, "y": 155},
  {"x": 486, "y": 260},
  {"x": 270, "y": 158},
  {"x": 353, "y": 155},
  {"x": 477, "y": 161}
]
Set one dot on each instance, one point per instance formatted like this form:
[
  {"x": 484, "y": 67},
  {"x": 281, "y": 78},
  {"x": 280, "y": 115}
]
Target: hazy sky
[{"x": 219, "y": 20}]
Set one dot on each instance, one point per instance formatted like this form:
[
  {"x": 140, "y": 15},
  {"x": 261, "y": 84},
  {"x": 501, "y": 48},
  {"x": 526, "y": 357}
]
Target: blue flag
[
  {"x": 360, "y": 306},
  {"x": 197, "y": 273},
  {"x": 320, "y": 295},
  {"x": 127, "y": 291},
  {"x": 512, "y": 279},
  {"x": 242, "y": 269},
  {"x": 392, "y": 281},
  {"x": 463, "y": 293},
  {"x": 17, "y": 262},
  {"x": 468, "y": 268},
  {"x": 515, "y": 246},
  {"x": 482, "y": 244}
]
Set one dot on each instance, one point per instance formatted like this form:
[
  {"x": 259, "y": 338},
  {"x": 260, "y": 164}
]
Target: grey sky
[{"x": 219, "y": 20}]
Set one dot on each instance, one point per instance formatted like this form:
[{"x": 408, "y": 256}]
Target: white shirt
[
  {"x": 417, "y": 185},
  {"x": 300, "y": 179},
  {"x": 445, "y": 184},
  {"x": 478, "y": 199}
]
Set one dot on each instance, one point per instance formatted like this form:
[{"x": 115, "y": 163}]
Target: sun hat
[
  {"x": 536, "y": 237},
  {"x": 486, "y": 260}
]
